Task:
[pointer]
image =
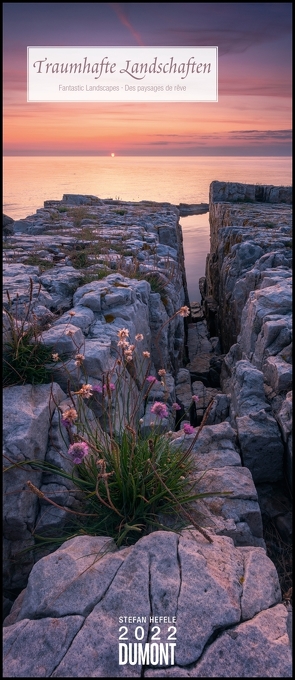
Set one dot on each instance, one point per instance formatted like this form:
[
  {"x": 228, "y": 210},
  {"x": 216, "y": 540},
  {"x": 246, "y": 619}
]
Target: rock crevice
[{"x": 225, "y": 595}]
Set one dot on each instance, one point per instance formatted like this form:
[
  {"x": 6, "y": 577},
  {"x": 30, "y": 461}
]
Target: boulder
[
  {"x": 256, "y": 648},
  {"x": 27, "y": 412},
  {"x": 79, "y": 199},
  {"x": 214, "y": 586},
  {"x": 278, "y": 374},
  {"x": 7, "y": 225},
  {"x": 261, "y": 446},
  {"x": 64, "y": 339},
  {"x": 183, "y": 392}
]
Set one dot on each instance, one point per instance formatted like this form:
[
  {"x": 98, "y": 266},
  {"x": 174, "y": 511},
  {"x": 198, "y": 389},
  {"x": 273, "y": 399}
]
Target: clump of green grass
[
  {"x": 79, "y": 258},
  {"x": 24, "y": 356},
  {"x": 131, "y": 481},
  {"x": 134, "y": 482},
  {"x": 36, "y": 261},
  {"x": 95, "y": 276},
  {"x": 89, "y": 233},
  {"x": 130, "y": 485},
  {"x": 78, "y": 214},
  {"x": 24, "y": 361},
  {"x": 156, "y": 282}
]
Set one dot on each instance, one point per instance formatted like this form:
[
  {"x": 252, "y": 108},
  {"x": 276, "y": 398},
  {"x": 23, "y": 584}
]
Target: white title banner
[{"x": 122, "y": 74}]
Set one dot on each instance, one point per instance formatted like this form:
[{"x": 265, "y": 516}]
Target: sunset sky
[{"x": 252, "y": 116}]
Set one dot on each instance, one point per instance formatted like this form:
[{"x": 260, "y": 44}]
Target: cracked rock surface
[{"x": 226, "y": 601}]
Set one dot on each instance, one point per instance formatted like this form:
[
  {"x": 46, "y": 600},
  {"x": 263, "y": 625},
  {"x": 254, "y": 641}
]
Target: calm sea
[{"x": 28, "y": 181}]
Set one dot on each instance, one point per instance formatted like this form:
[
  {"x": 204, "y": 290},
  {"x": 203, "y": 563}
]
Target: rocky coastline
[{"x": 96, "y": 265}]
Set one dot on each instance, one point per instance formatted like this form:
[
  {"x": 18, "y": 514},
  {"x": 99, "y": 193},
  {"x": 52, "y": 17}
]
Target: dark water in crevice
[{"x": 196, "y": 245}]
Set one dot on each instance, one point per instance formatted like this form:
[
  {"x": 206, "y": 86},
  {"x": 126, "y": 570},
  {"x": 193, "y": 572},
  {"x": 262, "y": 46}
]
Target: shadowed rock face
[
  {"x": 7, "y": 225},
  {"x": 250, "y": 231},
  {"x": 249, "y": 278}
]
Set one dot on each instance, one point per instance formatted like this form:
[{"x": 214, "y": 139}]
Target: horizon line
[{"x": 117, "y": 155}]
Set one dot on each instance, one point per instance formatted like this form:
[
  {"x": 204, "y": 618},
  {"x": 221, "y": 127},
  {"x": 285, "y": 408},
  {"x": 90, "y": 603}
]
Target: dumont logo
[{"x": 123, "y": 74}]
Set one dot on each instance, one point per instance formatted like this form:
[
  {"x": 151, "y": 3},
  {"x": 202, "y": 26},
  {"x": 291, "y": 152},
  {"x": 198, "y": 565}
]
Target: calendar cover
[{"x": 114, "y": 112}]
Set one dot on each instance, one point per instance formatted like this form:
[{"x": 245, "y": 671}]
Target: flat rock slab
[
  {"x": 23, "y": 642},
  {"x": 70, "y": 610},
  {"x": 236, "y": 481},
  {"x": 200, "y": 365},
  {"x": 257, "y": 648}
]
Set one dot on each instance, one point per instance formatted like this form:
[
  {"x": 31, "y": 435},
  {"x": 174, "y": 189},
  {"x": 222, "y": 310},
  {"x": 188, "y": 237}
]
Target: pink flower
[
  {"x": 100, "y": 389},
  {"x": 188, "y": 429},
  {"x": 78, "y": 451},
  {"x": 195, "y": 398},
  {"x": 183, "y": 311},
  {"x": 97, "y": 388},
  {"x": 151, "y": 379},
  {"x": 160, "y": 409},
  {"x": 68, "y": 417},
  {"x": 123, "y": 333},
  {"x": 85, "y": 391},
  {"x": 110, "y": 386},
  {"x": 176, "y": 407},
  {"x": 123, "y": 343}
]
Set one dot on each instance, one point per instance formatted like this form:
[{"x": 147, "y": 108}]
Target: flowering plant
[{"x": 130, "y": 478}]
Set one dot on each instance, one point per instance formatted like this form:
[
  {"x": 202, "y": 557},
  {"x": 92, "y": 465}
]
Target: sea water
[{"x": 29, "y": 180}]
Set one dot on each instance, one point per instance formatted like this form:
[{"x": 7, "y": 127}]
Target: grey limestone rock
[
  {"x": 27, "y": 411},
  {"x": 260, "y": 304},
  {"x": 219, "y": 410},
  {"x": 247, "y": 390},
  {"x": 258, "y": 432},
  {"x": 278, "y": 374},
  {"x": 77, "y": 575},
  {"x": 284, "y": 418},
  {"x": 79, "y": 199},
  {"x": 80, "y": 316},
  {"x": 64, "y": 338},
  {"x": 261, "y": 446},
  {"x": 207, "y": 587},
  {"x": 97, "y": 357},
  {"x": 7, "y": 225},
  {"x": 183, "y": 391},
  {"x": 235, "y": 652},
  {"x": 23, "y": 641},
  {"x": 17, "y": 280}
]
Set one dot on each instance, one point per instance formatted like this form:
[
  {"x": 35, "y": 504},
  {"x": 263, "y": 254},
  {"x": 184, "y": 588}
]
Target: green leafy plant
[
  {"x": 131, "y": 479},
  {"x": 132, "y": 484},
  {"x": 24, "y": 356},
  {"x": 79, "y": 259},
  {"x": 88, "y": 277},
  {"x": 78, "y": 214},
  {"x": 36, "y": 260}
]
